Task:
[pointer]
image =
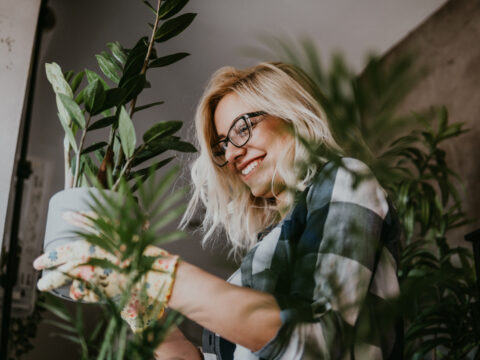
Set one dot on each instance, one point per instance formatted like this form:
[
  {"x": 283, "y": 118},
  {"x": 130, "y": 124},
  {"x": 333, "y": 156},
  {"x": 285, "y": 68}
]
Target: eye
[
  {"x": 256, "y": 119},
  {"x": 219, "y": 148},
  {"x": 241, "y": 128}
]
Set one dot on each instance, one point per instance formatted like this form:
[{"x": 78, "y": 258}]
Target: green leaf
[
  {"x": 94, "y": 96},
  {"x": 96, "y": 331},
  {"x": 170, "y": 8},
  {"x": 94, "y": 147},
  {"x": 60, "y": 325},
  {"x": 73, "y": 109},
  {"x": 57, "y": 309},
  {"x": 169, "y": 217},
  {"x": 152, "y": 168},
  {"x": 173, "y": 27},
  {"x": 68, "y": 75},
  {"x": 115, "y": 97},
  {"x": 170, "y": 200},
  {"x": 70, "y": 138},
  {"x": 117, "y": 150},
  {"x": 172, "y": 236},
  {"x": 443, "y": 114},
  {"x": 126, "y": 132},
  {"x": 109, "y": 68},
  {"x": 117, "y": 52},
  {"x": 77, "y": 80},
  {"x": 161, "y": 129},
  {"x": 167, "y": 60},
  {"x": 69, "y": 135},
  {"x": 135, "y": 60},
  {"x": 150, "y": 7},
  {"x": 147, "y": 154},
  {"x": 63, "y": 114},
  {"x": 104, "y": 264},
  {"x": 118, "y": 65},
  {"x": 55, "y": 77},
  {"x": 72, "y": 338},
  {"x": 92, "y": 76},
  {"x": 79, "y": 98},
  {"x": 132, "y": 69},
  {"x": 178, "y": 145},
  {"x": 122, "y": 342},
  {"x": 134, "y": 86},
  {"x": 143, "y": 107},
  {"x": 102, "y": 123}
]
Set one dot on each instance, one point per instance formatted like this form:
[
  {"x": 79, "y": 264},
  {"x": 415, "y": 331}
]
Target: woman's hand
[
  {"x": 177, "y": 347},
  {"x": 68, "y": 262}
]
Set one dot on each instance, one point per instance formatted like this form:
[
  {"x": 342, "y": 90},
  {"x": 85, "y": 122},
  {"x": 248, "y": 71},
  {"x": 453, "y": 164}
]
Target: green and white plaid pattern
[{"x": 331, "y": 266}]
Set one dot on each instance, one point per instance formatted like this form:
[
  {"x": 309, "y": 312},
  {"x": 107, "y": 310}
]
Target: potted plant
[
  {"x": 109, "y": 100},
  {"x": 439, "y": 301}
]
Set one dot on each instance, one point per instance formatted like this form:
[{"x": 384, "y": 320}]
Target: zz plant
[
  {"x": 109, "y": 100},
  {"x": 131, "y": 223}
]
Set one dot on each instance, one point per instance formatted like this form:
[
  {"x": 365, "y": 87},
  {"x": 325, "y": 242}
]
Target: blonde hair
[{"x": 283, "y": 91}]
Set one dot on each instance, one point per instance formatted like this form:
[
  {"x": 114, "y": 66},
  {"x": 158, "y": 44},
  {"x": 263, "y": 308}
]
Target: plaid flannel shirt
[{"x": 331, "y": 265}]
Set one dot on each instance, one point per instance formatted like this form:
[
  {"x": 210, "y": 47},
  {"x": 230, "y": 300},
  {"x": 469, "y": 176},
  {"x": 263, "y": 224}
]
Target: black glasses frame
[{"x": 244, "y": 117}]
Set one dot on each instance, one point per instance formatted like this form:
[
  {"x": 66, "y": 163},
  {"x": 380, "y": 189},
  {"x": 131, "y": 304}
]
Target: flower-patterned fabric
[{"x": 67, "y": 262}]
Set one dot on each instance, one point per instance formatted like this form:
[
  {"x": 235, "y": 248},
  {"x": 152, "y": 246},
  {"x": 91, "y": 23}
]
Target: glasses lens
[
  {"x": 240, "y": 132},
  {"x": 218, "y": 151}
]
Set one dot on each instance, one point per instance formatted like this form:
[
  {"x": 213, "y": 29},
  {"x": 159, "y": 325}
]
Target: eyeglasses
[{"x": 238, "y": 135}]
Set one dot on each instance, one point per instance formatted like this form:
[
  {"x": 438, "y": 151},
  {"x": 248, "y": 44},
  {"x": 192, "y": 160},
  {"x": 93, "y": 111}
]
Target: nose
[{"x": 233, "y": 153}]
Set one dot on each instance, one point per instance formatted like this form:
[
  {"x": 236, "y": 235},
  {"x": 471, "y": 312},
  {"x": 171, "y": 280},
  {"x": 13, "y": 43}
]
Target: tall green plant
[
  {"x": 109, "y": 100},
  {"x": 121, "y": 163},
  {"x": 439, "y": 300}
]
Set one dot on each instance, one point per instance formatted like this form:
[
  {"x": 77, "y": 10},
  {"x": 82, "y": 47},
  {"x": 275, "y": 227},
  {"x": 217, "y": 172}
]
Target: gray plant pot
[{"x": 60, "y": 232}]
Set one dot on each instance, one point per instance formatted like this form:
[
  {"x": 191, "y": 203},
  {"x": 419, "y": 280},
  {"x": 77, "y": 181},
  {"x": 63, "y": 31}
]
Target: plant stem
[
  {"x": 132, "y": 106},
  {"x": 149, "y": 51},
  {"x": 80, "y": 147},
  {"x": 106, "y": 344},
  {"x": 126, "y": 168},
  {"x": 68, "y": 171},
  {"x": 128, "y": 164}
]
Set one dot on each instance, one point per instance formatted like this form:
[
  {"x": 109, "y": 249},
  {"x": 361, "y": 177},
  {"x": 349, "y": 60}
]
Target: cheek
[{"x": 230, "y": 168}]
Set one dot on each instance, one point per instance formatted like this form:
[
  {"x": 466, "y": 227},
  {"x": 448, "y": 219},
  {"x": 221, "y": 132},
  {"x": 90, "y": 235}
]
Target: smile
[{"x": 248, "y": 169}]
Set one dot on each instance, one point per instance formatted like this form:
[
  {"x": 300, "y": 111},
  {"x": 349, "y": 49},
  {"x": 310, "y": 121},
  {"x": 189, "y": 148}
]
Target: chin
[{"x": 261, "y": 193}]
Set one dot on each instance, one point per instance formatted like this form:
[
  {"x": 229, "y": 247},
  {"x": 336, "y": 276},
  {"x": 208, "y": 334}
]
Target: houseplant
[
  {"x": 109, "y": 100},
  {"x": 439, "y": 301},
  {"x": 116, "y": 180},
  {"x": 120, "y": 224}
]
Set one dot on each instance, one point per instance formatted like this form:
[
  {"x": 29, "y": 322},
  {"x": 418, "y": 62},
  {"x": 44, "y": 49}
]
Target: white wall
[{"x": 18, "y": 20}]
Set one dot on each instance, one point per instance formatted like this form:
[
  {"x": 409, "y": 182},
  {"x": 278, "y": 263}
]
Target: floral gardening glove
[{"x": 67, "y": 262}]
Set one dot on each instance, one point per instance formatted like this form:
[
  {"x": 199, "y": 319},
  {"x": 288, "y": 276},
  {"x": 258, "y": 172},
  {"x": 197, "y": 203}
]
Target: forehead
[{"x": 228, "y": 109}]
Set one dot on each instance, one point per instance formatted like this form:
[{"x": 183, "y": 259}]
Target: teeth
[{"x": 250, "y": 167}]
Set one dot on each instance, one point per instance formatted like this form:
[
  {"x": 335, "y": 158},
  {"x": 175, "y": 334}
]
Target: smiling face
[{"x": 254, "y": 163}]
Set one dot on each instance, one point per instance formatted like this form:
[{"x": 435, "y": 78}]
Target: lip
[{"x": 246, "y": 163}]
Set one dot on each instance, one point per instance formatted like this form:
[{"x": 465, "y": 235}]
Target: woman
[{"x": 319, "y": 244}]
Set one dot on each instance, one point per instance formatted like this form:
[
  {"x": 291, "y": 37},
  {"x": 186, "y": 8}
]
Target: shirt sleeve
[{"x": 334, "y": 259}]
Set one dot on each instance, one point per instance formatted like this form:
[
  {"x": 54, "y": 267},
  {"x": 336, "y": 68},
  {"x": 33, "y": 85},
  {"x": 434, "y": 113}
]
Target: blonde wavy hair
[{"x": 283, "y": 91}]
